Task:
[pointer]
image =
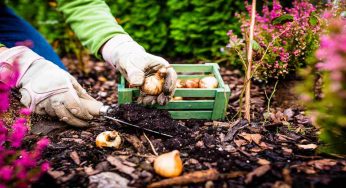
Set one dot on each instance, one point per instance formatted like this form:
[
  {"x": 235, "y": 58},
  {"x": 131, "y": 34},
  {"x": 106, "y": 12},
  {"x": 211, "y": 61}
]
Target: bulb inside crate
[
  {"x": 208, "y": 82},
  {"x": 189, "y": 103}
]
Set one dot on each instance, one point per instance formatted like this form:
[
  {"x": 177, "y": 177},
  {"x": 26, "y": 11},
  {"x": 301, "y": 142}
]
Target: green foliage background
[{"x": 176, "y": 28}]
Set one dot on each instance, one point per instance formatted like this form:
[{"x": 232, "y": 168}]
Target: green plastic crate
[{"x": 210, "y": 104}]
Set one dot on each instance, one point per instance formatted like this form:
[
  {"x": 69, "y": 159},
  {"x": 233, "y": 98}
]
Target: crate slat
[
  {"x": 192, "y": 68},
  {"x": 125, "y": 96},
  {"x": 185, "y": 77},
  {"x": 218, "y": 75},
  {"x": 188, "y": 104},
  {"x": 195, "y": 92},
  {"x": 221, "y": 103},
  {"x": 122, "y": 82},
  {"x": 184, "y": 92},
  {"x": 188, "y": 114}
]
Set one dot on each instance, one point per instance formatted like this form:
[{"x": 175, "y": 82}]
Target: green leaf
[
  {"x": 282, "y": 19},
  {"x": 255, "y": 45},
  {"x": 313, "y": 20}
]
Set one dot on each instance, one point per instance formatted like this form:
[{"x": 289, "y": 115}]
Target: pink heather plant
[
  {"x": 330, "y": 111},
  {"x": 332, "y": 55},
  {"x": 18, "y": 167},
  {"x": 332, "y": 51},
  {"x": 324, "y": 88},
  {"x": 283, "y": 38},
  {"x": 10, "y": 78}
]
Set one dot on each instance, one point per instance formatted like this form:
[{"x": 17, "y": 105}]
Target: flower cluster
[
  {"x": 332, "y": 55},
  {"x": 330, "y": 111},
  {"x": 18, "y": 167},
  {"x": 283, "y": 37}
]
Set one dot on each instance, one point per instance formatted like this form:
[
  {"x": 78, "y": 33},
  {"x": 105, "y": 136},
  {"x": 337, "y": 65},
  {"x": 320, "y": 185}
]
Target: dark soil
[{"x": 285, "y": 142}]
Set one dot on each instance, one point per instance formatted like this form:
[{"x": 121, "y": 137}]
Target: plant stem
[
  {"x": 249, "y": 59},
  {"x": 151, "y": 145},
  {"x": 269, "y": 99}
]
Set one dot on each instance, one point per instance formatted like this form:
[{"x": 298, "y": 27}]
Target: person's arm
[
  {"x": 97, "y": 29},
  {"x": 92, "y": 22},
  {"x": 45, "y": 88}
]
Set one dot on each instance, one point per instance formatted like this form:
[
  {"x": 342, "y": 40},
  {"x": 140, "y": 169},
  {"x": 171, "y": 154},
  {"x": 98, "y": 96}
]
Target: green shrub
[
  {"x": 171, "y": 28},
  {"x": 145, "y": 21},
  {"x": 198, "y": 26}
]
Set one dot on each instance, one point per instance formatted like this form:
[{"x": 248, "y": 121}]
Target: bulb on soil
[
  {"x": 169, "y": 164},
  {"x": 110, "y": 139},
  {"x": 153, "y": 84},
  {"x": 208, "y": 82}
]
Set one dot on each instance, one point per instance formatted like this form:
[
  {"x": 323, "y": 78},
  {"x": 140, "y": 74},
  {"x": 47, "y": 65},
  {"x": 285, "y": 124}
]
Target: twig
[
  {"x": 249, "y": 59},
  {"x": 239, "y": 54},
  {"x": 193, "y": 177},
  {"x": 196, "y": 177},
  {"x": 241, "y": 100},
  {"x": 144, "y": 156},
  {"x": 151, "y": 145},
  {"x": 233, "y": 131},
  {"x": 269, "y": 100}
]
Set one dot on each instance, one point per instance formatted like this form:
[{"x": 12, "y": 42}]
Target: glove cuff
[
  {"x": 118, "y": 46},
  {"x": 14, "y": 62}
]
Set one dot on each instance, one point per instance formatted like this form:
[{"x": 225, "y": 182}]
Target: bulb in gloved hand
[
  {"x": 169, "y": 164},
  {"x": 109, "y": 139},
  {"x": 209, "y": 82},
  {"x": 153, "y": 85}
]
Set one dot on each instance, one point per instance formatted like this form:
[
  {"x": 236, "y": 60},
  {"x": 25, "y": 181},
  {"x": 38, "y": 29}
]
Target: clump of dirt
[
  {"x": 230, "y": 147},
  {"x": 154, "y": 119}
]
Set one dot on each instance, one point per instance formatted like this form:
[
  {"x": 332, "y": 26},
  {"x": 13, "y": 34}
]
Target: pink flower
[
  {"x": 22, "y": 174},
  {"x": 6, "y": 173},
  {"x": 18, "y": 133},
  {"x": 25, "y": 160},
  {"x": 327, "y": 15},
  {"x": 332, "y": 54},
  {"x": 45, "y": 167},
  {"x": 296, "y": 52},
  {"x": 42, "y": 144},
  {"x": 18, "y": 168},
  {"x": 4, "y": 97},
  {"x": 3, "y": 133},
  {"x": 25, "y": 111}
]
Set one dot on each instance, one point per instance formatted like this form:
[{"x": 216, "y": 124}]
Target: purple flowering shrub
[
  {"x": 329, "y": 112},
  {"x": 18, "y": 167},
  {"x": 283, "y": 38}
]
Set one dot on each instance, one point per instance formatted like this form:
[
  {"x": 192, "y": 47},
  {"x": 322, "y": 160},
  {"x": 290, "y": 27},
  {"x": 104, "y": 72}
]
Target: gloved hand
[
  {"x": 47, "y": 89},
  {"x": 134, "y": 63}
]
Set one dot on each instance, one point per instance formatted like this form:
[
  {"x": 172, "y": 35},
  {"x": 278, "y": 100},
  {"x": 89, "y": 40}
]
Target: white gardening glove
[
  {"x": 134, "y": 63},
  {"x": 47, "y": 89}
]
